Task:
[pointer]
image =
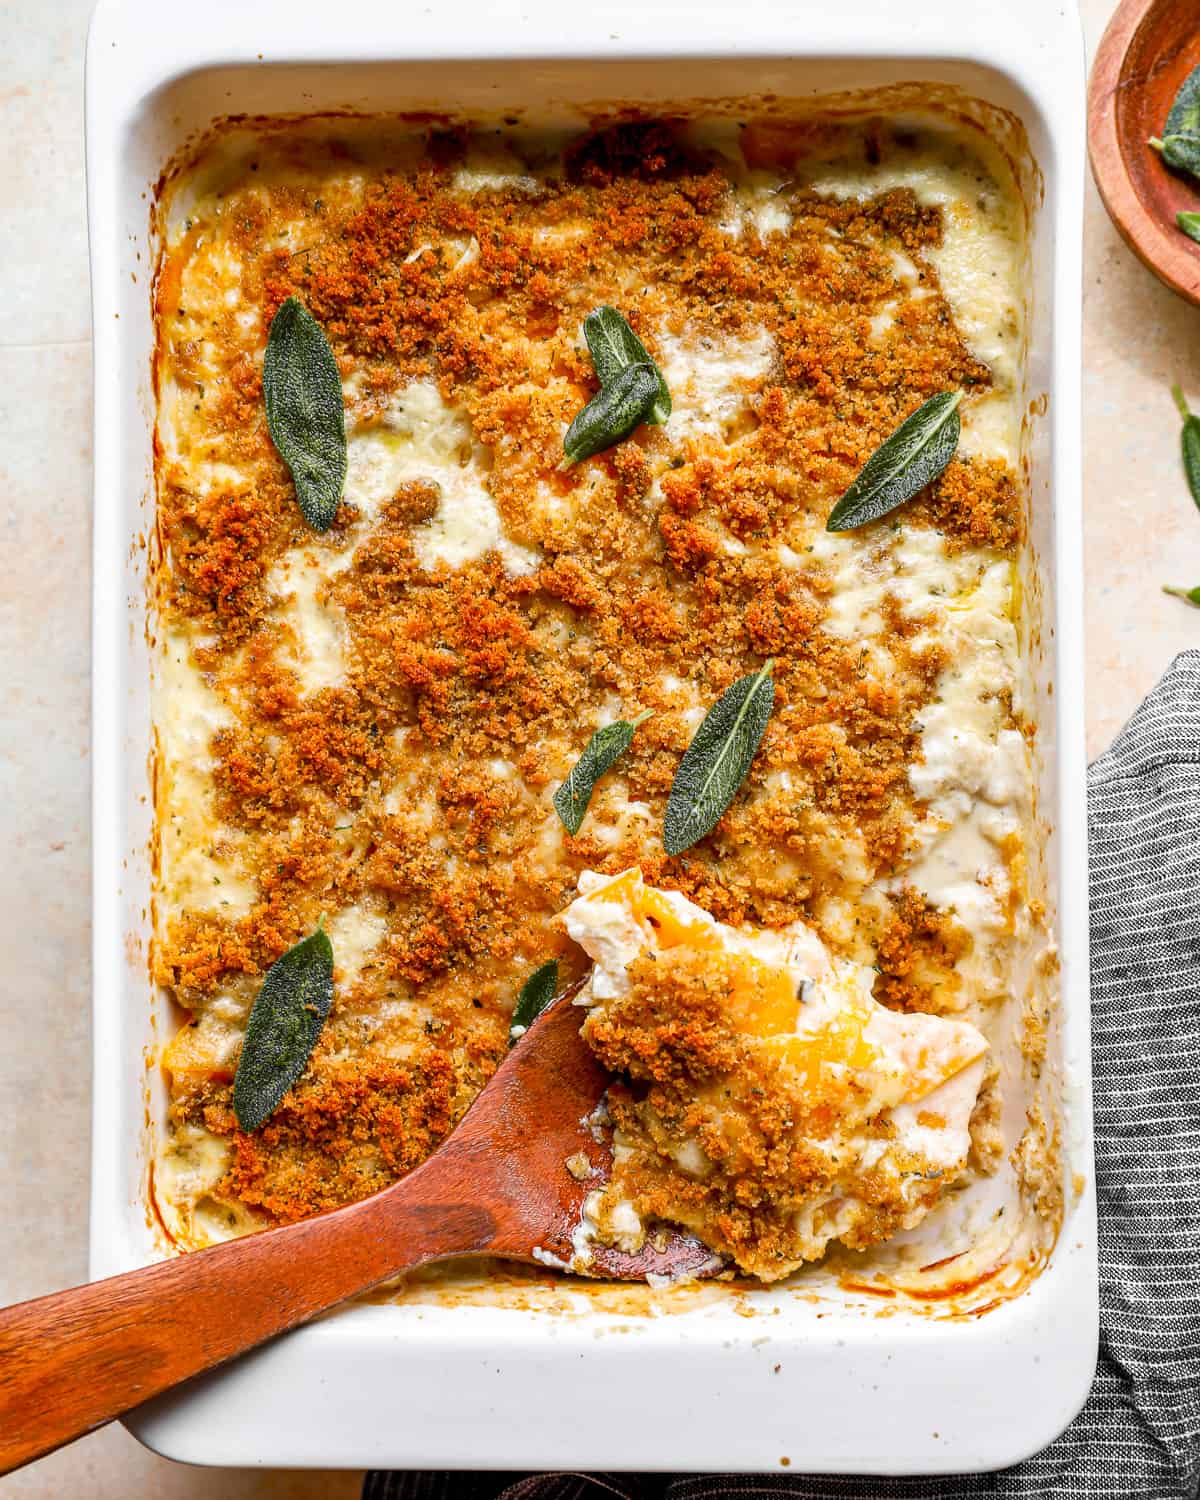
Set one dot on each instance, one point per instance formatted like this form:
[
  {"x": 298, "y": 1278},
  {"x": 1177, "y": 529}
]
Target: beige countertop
[{"x": 1141, "y": 530}]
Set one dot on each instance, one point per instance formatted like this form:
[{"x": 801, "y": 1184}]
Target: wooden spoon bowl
[
  {"x": 1148, "y": 50},
  {"x": 499, "y": 1186}
]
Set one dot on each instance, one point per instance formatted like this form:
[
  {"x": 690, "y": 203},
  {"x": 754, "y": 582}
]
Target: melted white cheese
[
  {"x": 188, "y": 1172},
  {"x": 711, "y": 378},
  {"x": 501, "y": 173},
  {"x": 201, "y": 861},
  {"x": 193, "y": 1162},
  {"x": 913, "y": 567},
  {"x": 318, "y": 627},
  {"x": 355, "y": 932},
  {"x": 757, "y": 203},
  {"x": 979, "y": 267},
  {"x": 420, "y": 437},
  {"x": 977, "y": 777},
  {"x": 975, "y": 772}
]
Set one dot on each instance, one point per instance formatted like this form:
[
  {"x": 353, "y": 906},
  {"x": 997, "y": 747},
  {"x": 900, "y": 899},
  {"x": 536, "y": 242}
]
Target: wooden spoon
[{"x": 498, "y": 1186}]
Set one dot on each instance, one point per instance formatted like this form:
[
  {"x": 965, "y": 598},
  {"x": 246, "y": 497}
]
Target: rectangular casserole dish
[{"x": 751, "y": 1381}]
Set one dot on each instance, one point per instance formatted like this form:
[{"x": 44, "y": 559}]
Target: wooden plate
[{"x": 1148, "y": 50}]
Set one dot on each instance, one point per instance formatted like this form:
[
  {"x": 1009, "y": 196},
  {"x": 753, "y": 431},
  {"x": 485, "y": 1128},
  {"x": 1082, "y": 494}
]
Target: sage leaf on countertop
[
  {"x": 614, "y": 346},
  {"x": 1180, "y": 141},
  {"x": 302, "y": 391},
  {"x": 612, "y": 413},
  {"x": 1190, "y": 224},
  {"x": 716, "y": 762},
  {"x": 1190, "y": 596},
  {"x": 1189, "y": 442},
  {"x": 902, "y": 465},
  {"x": 600, "y": 754},
  {"x": 285, "y": 1022},
  {"x": 536, "y": 994}
]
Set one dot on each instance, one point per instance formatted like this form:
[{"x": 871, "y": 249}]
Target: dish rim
[{"x": 131, "y": 59}]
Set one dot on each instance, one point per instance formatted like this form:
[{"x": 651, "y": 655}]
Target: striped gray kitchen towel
[{"x": 1139, "y": 1433}]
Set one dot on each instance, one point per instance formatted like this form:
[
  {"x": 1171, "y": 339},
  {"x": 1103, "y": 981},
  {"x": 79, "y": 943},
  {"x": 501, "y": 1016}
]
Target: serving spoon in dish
[{"x": 499, "y": 1185}]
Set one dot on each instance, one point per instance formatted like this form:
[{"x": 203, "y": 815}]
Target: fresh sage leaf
[
  {"x": 536, "y": 994},
  {"x": 302, "y": 391},
  {"x": 716, "y": 762},
  {"x": 285, "y": 1022},
  {"x": 600, "y": 753},
  {"x": 1184, "y": 118},
  {"x": 1182, "y": 152},
  {"x": 1190, "y": 224},
  {"x": 1189, "y": 443},
  {"x": 902, "y": 465},
  {"x": 1180, "y": 140},
  {"x": 614, "y": 346},
  {"x": 1192, "y": 596},
  {"x": 612, "y": 413}
]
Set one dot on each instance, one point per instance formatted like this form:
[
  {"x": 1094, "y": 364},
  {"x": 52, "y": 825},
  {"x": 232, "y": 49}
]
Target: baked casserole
[{"x": 818, "y": 1012}]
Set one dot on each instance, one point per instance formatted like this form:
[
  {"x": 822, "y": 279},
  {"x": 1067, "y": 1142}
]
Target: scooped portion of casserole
[
  {"x": 768, "y": 1102},
  {"x": 364, "y": 727}
]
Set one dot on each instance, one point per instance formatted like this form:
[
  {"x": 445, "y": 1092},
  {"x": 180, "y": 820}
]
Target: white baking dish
[{"x": 832, "y": 1386}]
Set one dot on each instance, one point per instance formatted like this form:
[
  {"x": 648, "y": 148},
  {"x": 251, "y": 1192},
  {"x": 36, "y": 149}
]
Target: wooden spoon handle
[{"x": 74, "y": 1360}]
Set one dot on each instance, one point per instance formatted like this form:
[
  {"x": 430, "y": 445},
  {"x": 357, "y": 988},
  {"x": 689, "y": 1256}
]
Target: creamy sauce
[
  {"x": 200, "y": 864},
  {"x": 710, "y": 379},
  {"x": 317, "y": 629},
  {"x": 420, "y": 438}
]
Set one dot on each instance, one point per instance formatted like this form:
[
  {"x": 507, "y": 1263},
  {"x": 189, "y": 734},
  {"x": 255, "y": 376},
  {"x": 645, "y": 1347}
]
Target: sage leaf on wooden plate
[
  {"x": 536, "y": 994},
  {"x": 1180, "y": 140},
  {"x": 1190, "y": 224},
  {"x": 716, "y": 762},
  {"x": 614, "y": 346},
  {"x": 302, "y": 391},
  {"x": 1189, "y": 442},
  {"x": 285, "y": 1022},
  {"x": 612, "y": 413},
  {"x": 902, "y": 465},
  {"x": 600, "y": 754},
  {"x": 1190, "y": 596}
]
